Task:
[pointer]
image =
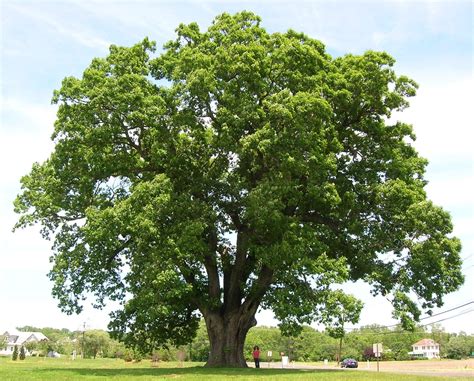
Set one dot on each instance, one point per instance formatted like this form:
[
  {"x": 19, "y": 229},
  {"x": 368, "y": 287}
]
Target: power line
[
  {"x": 449, "y": 318},
  {"x": 423, "y": 318},
  {"x": 420, "y": 326},
  {"x": 452, "y": 309},
  {"x": 469, "y": 256}
]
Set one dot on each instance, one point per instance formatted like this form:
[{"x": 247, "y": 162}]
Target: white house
[
  {"x": 16, "y": 338},
  {"x": 425, "y": 348}
]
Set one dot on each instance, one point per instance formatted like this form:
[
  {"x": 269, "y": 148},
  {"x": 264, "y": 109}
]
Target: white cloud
[
  {"x": 442, "y": 119},
  {"x": 441, "y": 114},
  {"x": 47, "y": 314},
  {"x": 42, "y": 115},
  {"x": 78, "y": 34},
  {"x": 27, "y": 128},
  {"x": 157, "y": 20},
  {"x": 452, "y": 192},
  {"x": 25, "y": 131}
]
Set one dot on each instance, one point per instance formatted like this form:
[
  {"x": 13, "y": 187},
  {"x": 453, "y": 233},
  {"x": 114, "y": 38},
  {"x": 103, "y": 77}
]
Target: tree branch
[
  {"x": 259, "y": 288},
  {"x": 211, "y": 266},
  {"x": 233, "y": 283},
  {"x": 117, "y": 252},
  {"x": 319, "y": 219}
]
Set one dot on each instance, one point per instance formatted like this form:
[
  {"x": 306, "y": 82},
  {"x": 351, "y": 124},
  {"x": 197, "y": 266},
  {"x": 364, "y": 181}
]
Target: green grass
[{"x": 109, "y": 369}]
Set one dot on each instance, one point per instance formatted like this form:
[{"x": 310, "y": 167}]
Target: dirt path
[
  {"x": 440, "y": 368},
  {"x": 446, "y": 368}
]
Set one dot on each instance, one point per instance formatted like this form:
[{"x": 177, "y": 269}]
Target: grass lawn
[{"x": 110, "y": 369}]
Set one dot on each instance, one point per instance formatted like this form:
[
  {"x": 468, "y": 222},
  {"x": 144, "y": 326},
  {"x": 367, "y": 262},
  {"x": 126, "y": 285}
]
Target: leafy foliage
[
  {"x": 313, "y": 345},
  {"x": 22, "y": 355},
  {"x": 59, "y": 340},
  {"x": 237, "y": 169},
  {"x": 309, "y": 345},
  {"x": 95, "y": 342},
  {"x": 15, "y": 353},
  {"x": 64, "y": 341},
  {"x": 33, "y": 347},
  {"x": 460, "y": 346}
]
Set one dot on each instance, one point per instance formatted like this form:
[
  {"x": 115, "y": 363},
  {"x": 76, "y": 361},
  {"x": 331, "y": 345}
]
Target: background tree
[
  {"x": 59, "y": 340},
  {"x": 459, "y": 346},
  {"x": 32, "y": 347},
  {"x": 340, "y": 309},
  {"x": 15, "y": 353},
  {"x": 238, "y": 169},
  {"x": 439, "y": 335},
  {"x": 400, "y": 344},
  {"x": 368, "y": 353},
  {"x": 199, "y": 347},
  {"x": 115, "y": 349},
  {"x": 268, "y": 339},
  {"x": 95, "y": 342},
  {"x": 22, "y": 353},
  {"x": 3, "y": 341}
]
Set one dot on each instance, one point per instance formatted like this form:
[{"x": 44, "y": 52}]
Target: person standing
[{"x": 256, "y": 356}]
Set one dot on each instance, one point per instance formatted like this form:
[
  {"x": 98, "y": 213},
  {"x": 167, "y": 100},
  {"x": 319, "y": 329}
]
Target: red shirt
[{"x": 256, "y": 354}]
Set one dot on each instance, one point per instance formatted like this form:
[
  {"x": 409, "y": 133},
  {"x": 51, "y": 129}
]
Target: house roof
[
  {"x": 19, "y": 338},
  {"x": 426, "y": 342}
]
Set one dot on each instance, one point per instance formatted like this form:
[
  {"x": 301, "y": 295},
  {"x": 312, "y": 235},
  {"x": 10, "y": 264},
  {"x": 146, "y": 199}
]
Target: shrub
[
  {"x": 15, "y": 353},
  {"x": 22, "y": 353},
  {"x": 128, "y": 355},
  {"x": 137, "y": 356}
]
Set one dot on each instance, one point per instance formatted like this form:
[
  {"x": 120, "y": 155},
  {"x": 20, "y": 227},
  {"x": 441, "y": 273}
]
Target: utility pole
[
  {"x": 342, "y": 333},
  {"x": 378, "y": 355},
  {"x": 339, "y": 356},
  {"x": 377, "y": 349}
]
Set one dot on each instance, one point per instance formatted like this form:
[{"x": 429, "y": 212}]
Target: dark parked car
[{"x": 349, "y": 363}]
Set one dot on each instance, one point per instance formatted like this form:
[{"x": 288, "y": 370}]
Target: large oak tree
[{"x": 234, "y": 171}]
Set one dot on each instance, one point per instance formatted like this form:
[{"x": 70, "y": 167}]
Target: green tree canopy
[
  {"x": 15, "y": 353},
  {"x": 95, "y": 342},
  {"x": 237, "y": 169},
  {"x": 460, "y": 346}
]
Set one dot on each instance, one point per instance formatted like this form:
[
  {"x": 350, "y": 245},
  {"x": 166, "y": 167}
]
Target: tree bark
[
  {"x": 227, "y": 337},
  {"x": 229, "y": 322}
]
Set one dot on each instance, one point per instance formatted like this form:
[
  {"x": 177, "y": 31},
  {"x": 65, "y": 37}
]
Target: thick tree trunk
[{"x": 227, "y": 337}]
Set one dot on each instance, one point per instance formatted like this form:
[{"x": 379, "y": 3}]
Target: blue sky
[{"x": 44, "y": 41}]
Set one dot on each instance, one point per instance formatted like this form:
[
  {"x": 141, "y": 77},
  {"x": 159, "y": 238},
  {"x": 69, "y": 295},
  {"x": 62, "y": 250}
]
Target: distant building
[
  {"x": 425, "y": 348},
  {"x": 16, "y": 338}
]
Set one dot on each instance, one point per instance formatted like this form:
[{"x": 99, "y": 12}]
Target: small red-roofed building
[{"x": 425, "y": 348}]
